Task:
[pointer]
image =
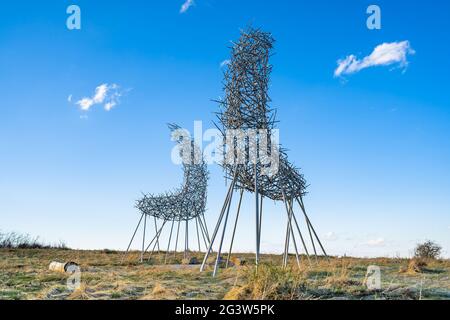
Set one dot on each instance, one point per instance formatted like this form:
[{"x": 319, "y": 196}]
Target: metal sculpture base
[
  {"x": 201, "y": 230},
  {"x": 293, "y": 231}
]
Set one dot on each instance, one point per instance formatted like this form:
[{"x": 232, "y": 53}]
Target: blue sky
[{"x": 374, "y": 145}]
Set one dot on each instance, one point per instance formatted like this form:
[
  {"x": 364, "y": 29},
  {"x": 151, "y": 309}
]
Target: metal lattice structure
[
  {"x": 183, "y": 205},
  {"x": 245, "y": 107}
]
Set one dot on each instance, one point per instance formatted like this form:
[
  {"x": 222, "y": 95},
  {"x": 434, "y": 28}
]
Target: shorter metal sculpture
[{"x": 185, "y": 204}]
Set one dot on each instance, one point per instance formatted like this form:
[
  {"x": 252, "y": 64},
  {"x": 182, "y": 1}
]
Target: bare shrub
[
  {"x": 14, "y": 240},
  {"x": 428, "y": 250}
]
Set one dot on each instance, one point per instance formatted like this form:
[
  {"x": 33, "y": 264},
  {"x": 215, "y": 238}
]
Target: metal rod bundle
[
  {"x": 181, "y": 206},
  {"x": 247, "y": 123}
]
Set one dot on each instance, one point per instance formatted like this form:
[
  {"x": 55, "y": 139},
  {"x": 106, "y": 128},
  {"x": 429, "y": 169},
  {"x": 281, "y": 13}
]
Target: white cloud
[
  {"x": 100, "y": 93},
  {"x": 110, "y": 105},
  {"x": 69, "y": 98},
  {"x": 383, "y": 55},
  {"x": 105, "y": 94},
  {"x": 331, "y": 236},
  {"x": 380, "y": 242},
  {"x": 186, "y": 5},
  {"x": 85, "y": 103}
]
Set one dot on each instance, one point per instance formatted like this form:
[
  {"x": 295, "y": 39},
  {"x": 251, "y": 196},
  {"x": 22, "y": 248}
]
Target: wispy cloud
[
  {"x": 186, "y": 5},
  {"x": 383, "y": 55},
  {"x": 107, "y": 95},
  {"x": 379, "y": 242},
  {"x": 331, "y": 236}
]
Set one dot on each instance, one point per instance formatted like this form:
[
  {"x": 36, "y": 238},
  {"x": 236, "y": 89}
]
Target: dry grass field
[{"x": 24, "y": 274}]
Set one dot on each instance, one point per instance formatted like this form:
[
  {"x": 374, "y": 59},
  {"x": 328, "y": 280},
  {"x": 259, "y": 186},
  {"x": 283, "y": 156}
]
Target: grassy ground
[{"x": 24, "y": 274}]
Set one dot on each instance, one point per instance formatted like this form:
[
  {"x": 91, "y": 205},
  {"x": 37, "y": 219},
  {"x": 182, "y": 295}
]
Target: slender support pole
[
  {"x": 260, "y": 220},
  {"x": 143, "y": 239},
  {"x": 206, "y": 227},
  {"x": 286, "y": 246},
  {"x": 301, "y": 236},
  {"x": 170, "y": 240},
  {"x": 312, "y": 239},
  {"x": 156, "y": 230},
  {"x": 211, "y": 243},
  {"x": 132, "y": 238},
  {"x": 257, "y": 214},
  {"x": 291, "y": 207},
  {"x": 300, "y": 202},
  {"x": 216, "y": 230},
  {"x": 216, "y": 267},
  {"x": 234, "y": 229},
  {"x": 198, "y": 236},
  {"x": 290, "y": 213},
  {"x": 297, "y": 256},
  {"x": 176, "y": 242},
  {"x": 186, "y": 240},
  {"x": 205, "y": 240},
  {"x": 157, "y": 238}
]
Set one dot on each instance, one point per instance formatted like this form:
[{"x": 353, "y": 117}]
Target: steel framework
[
  {"x": 245, "y": 107},
  {"x": 183, "y": 205}
]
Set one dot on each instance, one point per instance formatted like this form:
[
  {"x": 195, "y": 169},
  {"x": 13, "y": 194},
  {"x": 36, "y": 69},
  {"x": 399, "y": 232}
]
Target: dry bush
[
  {"x": 235, "y": 261},
  {"x": 269, "y": 283},
  {"x": 80, "y": 294},
  {"x": 428, "y": 250},
  {"x": 14, "y": 240},
  {"x": 158, "y": 289},
  {"x": 414, "y": 266},
  {"x": 339, "y": 275}
]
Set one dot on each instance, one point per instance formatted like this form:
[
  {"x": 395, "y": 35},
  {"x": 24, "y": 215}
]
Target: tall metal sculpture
[
  {"x": 183, "y": 205},
  {"x": 253, "y": 163}
]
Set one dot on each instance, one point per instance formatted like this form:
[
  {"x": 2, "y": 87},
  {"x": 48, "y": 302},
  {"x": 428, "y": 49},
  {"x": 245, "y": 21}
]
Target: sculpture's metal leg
[
  {"x": 176, "y": 242},
  {"x": 132, "y": 238},
  {"x": 155, "y": 237},
  {"x": 300, "y": 202},
  {"x": 312, "y": 239},
  {"x": 216, "y": 267},
  {"x": 216, "y": 230},
  {"x": 301, "y": 235},
  {"x": 257, "y": 215},
  {"x": 309, "y": 229},
  {"x": 234, "y": 230},
  {"x": 186, "y": 240},
  {"x": 170, "y": 240},
  {"x": 288, "y": 237},
  {"x": 205, "y": 240},
  {"x": 286, "y": 246},
  {"x": 288, "y": 206},
  {"x": 211, "y": 243},
  {"x": 143, "y": 239},
  {"x": 260, "y": 220},
  {"x": 156, "y": 230},
  {"x": 158, "y": 234},
  {"x": 198, "y": 236},
  {"x": 290, "y": 215},
  {"x": 206, "y": 228}
]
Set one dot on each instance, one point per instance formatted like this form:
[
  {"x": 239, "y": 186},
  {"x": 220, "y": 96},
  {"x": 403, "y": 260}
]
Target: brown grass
[
  {"x": 24, "y": 274},
  {"x": 415, "y": 266}
]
